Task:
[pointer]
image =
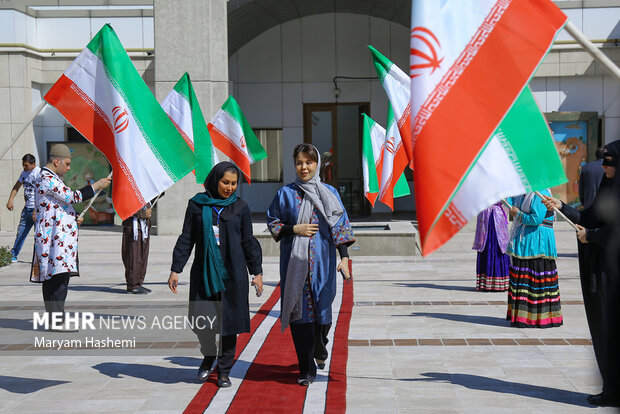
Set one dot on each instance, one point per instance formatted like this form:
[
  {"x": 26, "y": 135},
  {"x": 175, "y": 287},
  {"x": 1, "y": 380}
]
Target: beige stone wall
[{"x": 192, "y": 38}]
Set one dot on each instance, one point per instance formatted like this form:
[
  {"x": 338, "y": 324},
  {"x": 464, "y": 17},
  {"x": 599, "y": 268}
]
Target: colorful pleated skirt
[
  {"x": 534, "y": 294},
  {"x": 492, "y": 265}
]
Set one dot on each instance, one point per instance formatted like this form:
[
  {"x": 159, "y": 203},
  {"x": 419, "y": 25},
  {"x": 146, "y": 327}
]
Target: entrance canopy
[{"x": 249, "y": 18}]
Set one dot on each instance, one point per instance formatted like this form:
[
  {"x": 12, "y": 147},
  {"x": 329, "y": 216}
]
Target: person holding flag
[
  {"x": 491, "y": 241},
  {"x": 599, "y": 247},
  {"x": 56, "y": 229},
  {"x": 534, "y": 292}
]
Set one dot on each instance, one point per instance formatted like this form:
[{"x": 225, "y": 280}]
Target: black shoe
[
  {"x": 138, "y": 291},
  {"x": 224, "y": 382},
  {"x": 603, "y": 400},
  {"x": 146, "y": 289},
  {"x": 205, "y": 368}
]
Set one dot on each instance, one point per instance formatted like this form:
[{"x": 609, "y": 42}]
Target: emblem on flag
[
  {"x": 425, "y": 52},
  {"x": 121, "y": 119}
]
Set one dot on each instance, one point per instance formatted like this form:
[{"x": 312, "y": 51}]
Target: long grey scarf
[{"x": 316, "y": 195}]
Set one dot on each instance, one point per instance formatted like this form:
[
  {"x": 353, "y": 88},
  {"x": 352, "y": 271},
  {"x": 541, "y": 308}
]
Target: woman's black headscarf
[{"x": 211, "y": 182}]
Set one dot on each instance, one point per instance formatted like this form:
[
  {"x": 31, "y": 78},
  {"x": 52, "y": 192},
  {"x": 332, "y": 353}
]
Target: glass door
[{"x": 336, "y": 131}]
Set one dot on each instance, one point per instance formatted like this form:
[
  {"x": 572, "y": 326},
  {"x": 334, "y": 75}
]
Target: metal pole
[
  {"x": 559, "y": 212},
  {"x": 593, "y": 50},
  {"x": 91, "y": 201},
  {"x": 23, "y": 128}
]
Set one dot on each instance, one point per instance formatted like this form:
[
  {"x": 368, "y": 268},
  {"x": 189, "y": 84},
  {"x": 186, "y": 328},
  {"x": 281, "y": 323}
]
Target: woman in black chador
[
  {"x": 599, "y": 260},
  {"x": 219, "y": 224}
]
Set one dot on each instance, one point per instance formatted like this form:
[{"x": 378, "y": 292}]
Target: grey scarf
[{"x": 316, "y": 195}]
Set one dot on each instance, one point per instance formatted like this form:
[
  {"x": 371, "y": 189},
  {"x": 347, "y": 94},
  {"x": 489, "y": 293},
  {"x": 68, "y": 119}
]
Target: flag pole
[
  {"x": 92, "y": 200},
  {"x": 559, "y": 212},
  {"x": 506, "y": 203},
  {"x": 592, "y": 50},
  {"x": 23, "y": 128}
]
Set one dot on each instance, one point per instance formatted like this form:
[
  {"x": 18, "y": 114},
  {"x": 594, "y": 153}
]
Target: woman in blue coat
[{"x": 310, "y": 222}]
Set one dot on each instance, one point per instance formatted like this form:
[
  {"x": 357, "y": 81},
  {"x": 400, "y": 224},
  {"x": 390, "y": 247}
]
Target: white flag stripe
[
  {"x": 143, "y": 165},
  {"x": 492, "y": 177},
  {"x": 222, "y": 121},
  {"x": 393, "y": 144},
  {"x": 398, "y": 87},
  {"x": 465, "y": 17},
  {"x": 317, "y": 392},
  {"x": 178, "y": 109},
  {"x": 223, "y": 397},
  {"x": 377, "y": 138}
]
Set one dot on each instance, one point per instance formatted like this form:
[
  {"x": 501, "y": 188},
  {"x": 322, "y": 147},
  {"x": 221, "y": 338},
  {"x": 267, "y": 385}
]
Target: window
[{"x": 270, "y": 168}]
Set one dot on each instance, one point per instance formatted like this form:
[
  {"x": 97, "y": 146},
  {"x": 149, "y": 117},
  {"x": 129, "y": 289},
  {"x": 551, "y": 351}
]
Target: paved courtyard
[{"x": 422, "y": 339}]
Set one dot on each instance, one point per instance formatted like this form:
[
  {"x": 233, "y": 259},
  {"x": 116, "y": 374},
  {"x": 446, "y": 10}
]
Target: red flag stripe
[
  {"x": 90, "y": 120},
  {"x": 524, "y": 26}
]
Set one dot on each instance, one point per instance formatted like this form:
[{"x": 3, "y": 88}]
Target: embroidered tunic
[
  {"x": 320, "y": 287},
  {"x": 56, "y": 230}
]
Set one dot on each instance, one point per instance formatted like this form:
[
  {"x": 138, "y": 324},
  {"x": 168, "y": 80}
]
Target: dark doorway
[{"x": 336, "y": 130}]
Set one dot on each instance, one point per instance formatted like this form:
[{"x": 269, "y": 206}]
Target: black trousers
[
  {"x": 224, "y": 361},
  {"x": 55, "y": 292},
  {"x": 310, "y": 340},
  {"x": 603, "y": 315}
]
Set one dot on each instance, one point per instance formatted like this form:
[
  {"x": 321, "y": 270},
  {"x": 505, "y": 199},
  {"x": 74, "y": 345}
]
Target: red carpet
[{"x": 269, "y": 384}]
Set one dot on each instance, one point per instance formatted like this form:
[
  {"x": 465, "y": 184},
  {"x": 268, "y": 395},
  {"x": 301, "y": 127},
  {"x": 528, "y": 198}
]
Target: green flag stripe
[
  {"x": 159, "y": 132},
  {"x": 256, "y": 150}
]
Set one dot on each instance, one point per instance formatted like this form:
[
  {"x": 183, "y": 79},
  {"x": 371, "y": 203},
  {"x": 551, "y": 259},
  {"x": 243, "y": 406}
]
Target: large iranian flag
[
  {"x": 377, "y": 167},
  {"x": 103, "y": 96},
  {"x": 478, "y": 132},
  {"x": 398, "y": 89},
  {"x": 231, "y": 133},
  {"x": 182, "y": 107}
]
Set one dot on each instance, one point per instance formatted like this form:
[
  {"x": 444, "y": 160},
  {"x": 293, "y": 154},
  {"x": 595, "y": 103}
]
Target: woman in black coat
[
  {"x": 219, "y": 273},
  {"x": 599, "y": 252}
]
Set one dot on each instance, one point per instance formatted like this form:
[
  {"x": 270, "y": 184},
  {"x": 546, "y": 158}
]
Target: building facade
[{"x": 300, "y": 70}]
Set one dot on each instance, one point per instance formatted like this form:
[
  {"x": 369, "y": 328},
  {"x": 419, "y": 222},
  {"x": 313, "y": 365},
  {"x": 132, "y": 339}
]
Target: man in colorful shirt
[
  {"x": 56, "y": 228},
  {"x": 26, "y": 178}
]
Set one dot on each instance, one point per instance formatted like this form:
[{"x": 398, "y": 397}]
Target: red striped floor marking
[{"x": 270, "y": 383}]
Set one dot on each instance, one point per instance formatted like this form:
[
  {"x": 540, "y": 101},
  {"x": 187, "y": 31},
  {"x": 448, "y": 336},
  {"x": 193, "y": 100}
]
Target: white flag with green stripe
[
  {"x": 103, "y": 96},
  {"x": 232, "y": 134},
  {"x": 182, "y": 107}
]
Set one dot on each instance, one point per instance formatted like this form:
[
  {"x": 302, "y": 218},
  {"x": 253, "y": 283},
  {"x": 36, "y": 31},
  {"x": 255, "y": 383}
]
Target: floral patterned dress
[{"x": 56, "y": 230}]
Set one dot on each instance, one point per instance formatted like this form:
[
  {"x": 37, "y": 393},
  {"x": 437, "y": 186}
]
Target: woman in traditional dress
[
  {"x": 599, "y": 257},
  {"x": 534, "y": 292},
  {"x": 491, "y": 241},
  {"x": 219, "y": 224},
  {"x": 309, "y": 220}
]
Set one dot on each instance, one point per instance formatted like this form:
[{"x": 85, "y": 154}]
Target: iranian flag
[
  {"x": 103, "y": 96},
  {"x": 182, "y": 107},
  {"x": 373, "y": 137},
  {"x": 398, "y": 89},
  {"x": 378, "y": 168},
  {"x": 478, "y": 133},
  {"x": 231, "y": 133},
  {"x": 393, "y": 163}
]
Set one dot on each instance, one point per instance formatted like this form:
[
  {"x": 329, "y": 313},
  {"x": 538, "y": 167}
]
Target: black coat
[
  {"x": 241, "y": 253},
  {"x": 589, "y": 180},
  {"x": 600, "y": 281}
]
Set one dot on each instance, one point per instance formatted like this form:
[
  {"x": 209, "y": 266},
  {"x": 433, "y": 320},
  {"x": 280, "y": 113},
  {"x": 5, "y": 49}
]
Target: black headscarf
[{"x": 211, "y": 182}]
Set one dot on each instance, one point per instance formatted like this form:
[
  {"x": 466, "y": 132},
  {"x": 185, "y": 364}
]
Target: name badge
[{"x": 216, "y": 231}]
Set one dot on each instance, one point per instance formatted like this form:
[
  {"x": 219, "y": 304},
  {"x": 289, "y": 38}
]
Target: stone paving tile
[{"x": 417, "y": 311}]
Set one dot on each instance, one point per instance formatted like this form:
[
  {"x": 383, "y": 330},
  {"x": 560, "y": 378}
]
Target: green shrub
[{"x": 5, "y": 256}]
